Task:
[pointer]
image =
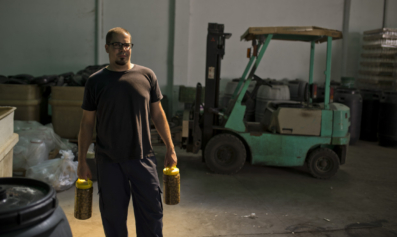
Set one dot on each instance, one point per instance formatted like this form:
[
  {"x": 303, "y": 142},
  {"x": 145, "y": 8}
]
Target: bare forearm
[
  {"x": 161, "y": 124},
  {"x": 85, "y": 139}
]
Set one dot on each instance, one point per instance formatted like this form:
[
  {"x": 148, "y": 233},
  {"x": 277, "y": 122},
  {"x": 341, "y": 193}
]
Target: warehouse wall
[
  {"x": 364, "y": 15},
  {"x": 53, "y": 37},
  {"x": 391, "y": 16},
  {"x": 181, "y": 39},
  {"x": 49, "y": 37},
  {"x": 46, "y": 37}
]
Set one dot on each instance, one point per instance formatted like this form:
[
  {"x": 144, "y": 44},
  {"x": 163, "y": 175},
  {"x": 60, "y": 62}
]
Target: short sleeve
[
  {"x": 89, "y": 97},
  {"x": 155, "y": 92}
]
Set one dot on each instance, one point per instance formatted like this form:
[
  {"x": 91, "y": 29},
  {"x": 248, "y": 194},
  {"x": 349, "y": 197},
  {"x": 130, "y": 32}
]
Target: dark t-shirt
[{"x": 122, "y": 104}]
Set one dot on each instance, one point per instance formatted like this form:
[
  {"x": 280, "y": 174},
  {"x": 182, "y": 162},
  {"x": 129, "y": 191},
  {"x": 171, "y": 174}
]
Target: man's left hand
[{"x": 170, "y": 158}]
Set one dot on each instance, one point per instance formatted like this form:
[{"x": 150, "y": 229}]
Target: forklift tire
[
  {"x": 225, "y": 154},
  {"x": 323, "y": 163}
]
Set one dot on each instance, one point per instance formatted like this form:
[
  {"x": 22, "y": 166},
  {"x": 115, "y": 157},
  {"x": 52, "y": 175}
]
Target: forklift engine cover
[
  {"x": 306, "y": 121},
  {"x": 341, "y": 123}
]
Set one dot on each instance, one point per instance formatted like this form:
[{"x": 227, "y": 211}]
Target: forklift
[{"x": 293, "y": 134}]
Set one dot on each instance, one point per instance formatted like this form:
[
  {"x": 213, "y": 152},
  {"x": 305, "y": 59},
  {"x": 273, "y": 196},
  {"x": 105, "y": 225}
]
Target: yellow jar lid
[
  {"x": 83, "y": 184},
  {"x": 90, "y": 155},
  {"x": 171, "y": 171}
]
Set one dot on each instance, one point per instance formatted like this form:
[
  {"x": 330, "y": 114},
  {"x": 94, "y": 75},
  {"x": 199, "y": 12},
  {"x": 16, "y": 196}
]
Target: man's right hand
[{"x": 83, "y": 171}]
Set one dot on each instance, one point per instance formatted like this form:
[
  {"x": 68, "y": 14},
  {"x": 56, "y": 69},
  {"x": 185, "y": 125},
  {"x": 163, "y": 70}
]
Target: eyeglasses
[{"x": 118, "y": 45}]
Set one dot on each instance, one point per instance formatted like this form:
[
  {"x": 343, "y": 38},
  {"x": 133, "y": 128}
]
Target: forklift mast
[{"x": 215, "y": 52}]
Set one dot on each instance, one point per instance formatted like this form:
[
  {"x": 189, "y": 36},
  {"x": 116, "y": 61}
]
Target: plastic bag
[
  {"x": 34, "y": 130},
  {"x": 25, "y": 125},
  {"x": 23, "y": 141},
  {"x": 29, "y": 134},
  {"x": 60, "y": 173},
  {"x": 62, "y": 144},
  {"x": 91, "y": 148},
  {"x": 91, "y": 152},
  {"x": 37, "y": 152},
  {"x": 47, "y": 135},
  {"x": 19, "y": 157}
]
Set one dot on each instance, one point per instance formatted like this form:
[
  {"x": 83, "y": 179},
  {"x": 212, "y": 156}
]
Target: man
[{"x": 122, "y": 97}]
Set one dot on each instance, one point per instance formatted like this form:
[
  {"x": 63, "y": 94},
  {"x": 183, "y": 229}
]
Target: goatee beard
[{"x": 121, "y": 63}]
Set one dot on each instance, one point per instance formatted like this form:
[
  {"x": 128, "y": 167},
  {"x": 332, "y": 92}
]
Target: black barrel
[
  {"x": 320, "y": 95},
  {"x": 351, "y": 98},
  {"x": 388, "y": 120},
  {"x": 250, "y": 97},
  {"x": 370, "y": 114},
  {"x": 29, "y": 207}
]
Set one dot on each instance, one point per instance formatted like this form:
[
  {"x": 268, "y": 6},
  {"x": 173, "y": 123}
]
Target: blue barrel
[
  {"x": 267, "y": 93},
  {"x": 351, "y": 98},
  {"x": 370, "y": 114},
  {"x": 252, "y": 93},
  {"x": 29, "y": 207},
  {"x": 227, "y": 95},
  {"x": 229, "y": 90},
  {"x": 388, "y": 120}
]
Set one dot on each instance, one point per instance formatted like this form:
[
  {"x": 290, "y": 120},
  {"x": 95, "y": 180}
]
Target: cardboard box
[{"x": 66, "y": 111}]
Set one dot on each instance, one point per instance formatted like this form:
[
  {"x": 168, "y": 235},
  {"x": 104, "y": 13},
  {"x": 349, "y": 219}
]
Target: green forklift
[{"x": 292, "y": 133}]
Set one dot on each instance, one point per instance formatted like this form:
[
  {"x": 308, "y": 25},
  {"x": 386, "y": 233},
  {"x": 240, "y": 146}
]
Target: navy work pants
[{"x": 116, "y": 183}]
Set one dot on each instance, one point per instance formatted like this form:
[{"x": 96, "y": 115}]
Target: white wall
[
  {"x": 46, "y": 37},
  {"x": 52, "y": 37},
  {"x": 364, "y": 15},
  {"x": 181, "y": 50},
  {"x": 49, "y": 37},
  {"x": 391, "y": 16},
  {"x": 282, "y": 59},
  {"x": 181, "y": 41}
]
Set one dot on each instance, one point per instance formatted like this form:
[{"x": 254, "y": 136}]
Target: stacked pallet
[{"x": 378, "y": 60}]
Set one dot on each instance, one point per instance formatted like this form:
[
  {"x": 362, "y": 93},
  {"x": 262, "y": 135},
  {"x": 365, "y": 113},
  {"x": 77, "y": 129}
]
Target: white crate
[
  {"x": 6, "y": 124},
  {"x": 6, "y": 156}
]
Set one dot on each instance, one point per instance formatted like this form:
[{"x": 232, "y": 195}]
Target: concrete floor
[{"x": 361, "y": 200}]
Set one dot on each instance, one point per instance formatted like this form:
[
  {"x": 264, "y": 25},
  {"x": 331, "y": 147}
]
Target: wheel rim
[
  {"x": 225, "y": 155},
  {"x": 324, "y": 164}
]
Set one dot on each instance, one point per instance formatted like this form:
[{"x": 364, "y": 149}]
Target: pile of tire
[{"x": 64, "y": 79}]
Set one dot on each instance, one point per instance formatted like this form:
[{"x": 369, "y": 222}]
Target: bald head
[{"x": 116, "y": 30}]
